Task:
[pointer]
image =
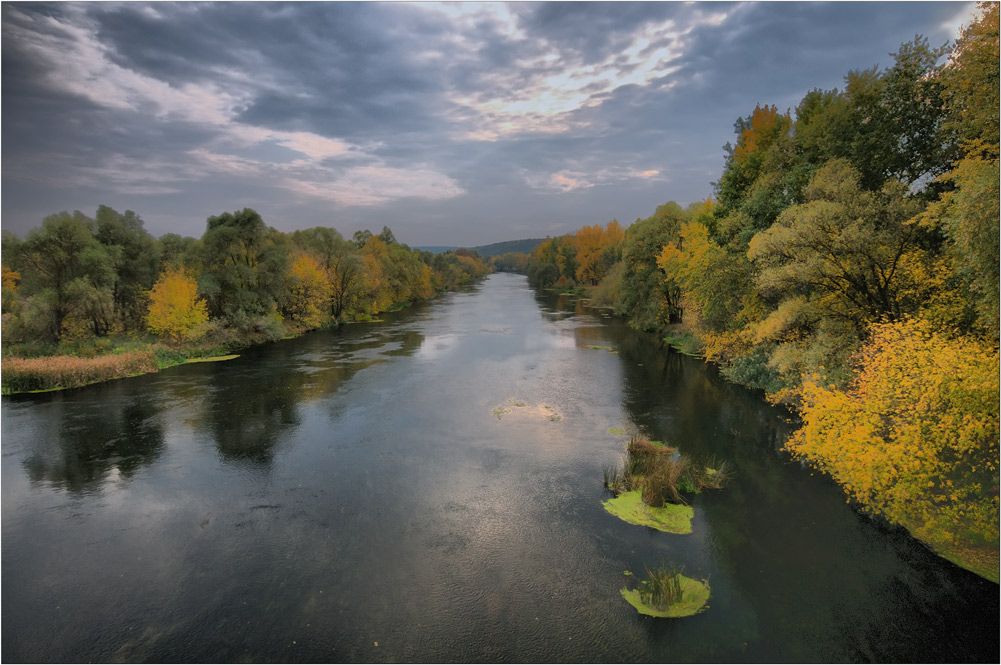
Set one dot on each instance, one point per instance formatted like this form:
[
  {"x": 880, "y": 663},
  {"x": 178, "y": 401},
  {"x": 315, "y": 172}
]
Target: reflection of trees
[
  {"x": 253, "y": 402},
  {"x": 123, "y": 435}
]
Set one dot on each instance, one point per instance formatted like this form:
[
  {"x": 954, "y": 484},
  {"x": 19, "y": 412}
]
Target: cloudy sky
[{"x": 453, "y": 124}]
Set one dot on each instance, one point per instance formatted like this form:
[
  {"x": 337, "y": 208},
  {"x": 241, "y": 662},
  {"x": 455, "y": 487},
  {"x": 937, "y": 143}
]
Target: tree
[
  {"x": 63, "y": 264},
  {"x": 972, "y": 89},
  {"x": 339, "y": 259},
  {"x": 845, "y": 247},
  {"x": 246, "y": 263},
  {"x": 309, "y": 292},
  {"x": 136, "y": 263},
  {"x": 915, "y": 437},
  {"x": 175, "y": 309},
  {"x": 969, "y": 213},
  {"x": 646, "y": 297},
  {"x": 597, "y": 249}
]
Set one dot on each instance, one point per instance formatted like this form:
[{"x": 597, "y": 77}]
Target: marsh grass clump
[
  {"x": 669, "y": 594},
  {"x": 662, "y": 475},
  {"x": 615, "y": 480},
  {"x": 665, "y": 479},
  {"x": 713, "y": 474},
  {"x": 662, "y": 588}
]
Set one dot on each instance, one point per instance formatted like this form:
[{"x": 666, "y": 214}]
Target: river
[{"x": 428, "y": 488}]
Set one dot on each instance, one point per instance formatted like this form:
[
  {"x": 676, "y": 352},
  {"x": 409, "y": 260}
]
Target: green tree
[
  {"x": 64, "y": 270},
  {"x": 136, "y": 263},
  {"x": 246, "y": 264},
  {"x": 647, "y": 299}
]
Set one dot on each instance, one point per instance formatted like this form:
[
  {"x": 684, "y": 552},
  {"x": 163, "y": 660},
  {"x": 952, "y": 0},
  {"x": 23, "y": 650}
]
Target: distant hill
[
  {"x": 486, "y": 251},
  {"x": 436, "y": 249},
  {"x": 498, "y": 248}
]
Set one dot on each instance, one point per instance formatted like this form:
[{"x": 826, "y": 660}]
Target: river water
[{"x": 428, "y": 488}]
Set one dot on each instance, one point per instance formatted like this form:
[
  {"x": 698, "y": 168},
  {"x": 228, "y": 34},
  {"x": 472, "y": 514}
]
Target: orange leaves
[
  {"x": 10, "y": 279},
  {"x": 915, "y": 438},
  {"x": 594, "y": 245},
  {"x": 766, "y": 125},
  {"x": 175, "y": 308}
]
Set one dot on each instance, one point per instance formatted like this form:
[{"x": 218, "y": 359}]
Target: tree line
[
  {"x": 848, "y": 265},
  {"x": 78, "y": 277}
]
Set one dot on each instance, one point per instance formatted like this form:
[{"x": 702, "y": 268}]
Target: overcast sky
[{"x": 453, "y": 124}]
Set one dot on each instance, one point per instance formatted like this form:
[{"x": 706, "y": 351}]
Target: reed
[
  {"x": 53, "y": 372},
  {"x": 662, "y": 588}
]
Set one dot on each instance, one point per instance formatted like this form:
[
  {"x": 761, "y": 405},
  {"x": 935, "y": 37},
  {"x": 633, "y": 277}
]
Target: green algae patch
[
  {"x": 616, "y": 430},
  {"x": 212, "y": 359},
  {"x": 629, "y": 507},
  {"x": 694, "y": 597}
]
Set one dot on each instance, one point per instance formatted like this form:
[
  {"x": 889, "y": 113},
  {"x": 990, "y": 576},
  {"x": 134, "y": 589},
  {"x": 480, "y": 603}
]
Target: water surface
[{"x": 428, "y": 488}]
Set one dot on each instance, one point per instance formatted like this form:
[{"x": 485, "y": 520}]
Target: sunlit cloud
[
  {"x": 541, "y": 92},
  {"x": 571, "y": 180},
  {"x": 374, "y": 185}
]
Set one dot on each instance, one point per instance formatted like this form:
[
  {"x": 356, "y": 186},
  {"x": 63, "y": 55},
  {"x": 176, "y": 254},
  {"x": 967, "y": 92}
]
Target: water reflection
[
  {"x": 248, "y": 417},
  {"x": 86, "y": 447}
]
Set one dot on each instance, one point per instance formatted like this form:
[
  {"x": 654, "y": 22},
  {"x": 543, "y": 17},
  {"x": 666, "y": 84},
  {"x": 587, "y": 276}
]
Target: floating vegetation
[
  {"x": 650, "y": 488},
  {"x": 667, "y": 593},
  {"x": 541, "y": 410},
  {"x": 610, "y": 349},
  {"x": 212, "y": 359},
  {"x": 616, "y": 430},
  {"x": 670, "y": 518}
]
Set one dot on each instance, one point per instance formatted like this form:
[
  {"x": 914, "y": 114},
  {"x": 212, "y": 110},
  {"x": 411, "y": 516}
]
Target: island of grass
[
  {"x": 650, "y": 491},
  {"x": 668, "y": 594},
  {"x": 670, "y": 518}
]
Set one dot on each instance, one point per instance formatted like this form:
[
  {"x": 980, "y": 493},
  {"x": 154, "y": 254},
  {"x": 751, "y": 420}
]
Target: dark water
[{"x": 352, "y": 496}]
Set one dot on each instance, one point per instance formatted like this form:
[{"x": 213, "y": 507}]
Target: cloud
[
  {"x": 462, "y": 123},
  {"x": 77, "y": 63},
  {"x": 539, "y": 91},
  {"x": 571, "y": 180}
]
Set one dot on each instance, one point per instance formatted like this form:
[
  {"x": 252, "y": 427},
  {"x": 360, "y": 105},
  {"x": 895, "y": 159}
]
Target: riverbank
[
  {"x": 975, "y": 556},
  {"x": 37, "y": 368}
]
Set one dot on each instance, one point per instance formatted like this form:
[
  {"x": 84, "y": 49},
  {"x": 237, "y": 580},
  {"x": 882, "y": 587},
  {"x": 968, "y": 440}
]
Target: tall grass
[
  {"x": 662, "y": 474},
  {"x": 27, "y": 374},
  {"x": 662, "y": 588}
]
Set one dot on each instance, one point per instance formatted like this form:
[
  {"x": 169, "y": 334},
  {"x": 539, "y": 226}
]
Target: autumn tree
[
  {"x": 968, "y": 214},
  {"x": 914, "y": 438},
  {"x": 597, "y": 250},
  {"x": 307, "y": 300},
  {"x": 175, "y": 308}
]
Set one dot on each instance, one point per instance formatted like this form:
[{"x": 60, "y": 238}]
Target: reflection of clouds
[{"x": 436, "y": 346}]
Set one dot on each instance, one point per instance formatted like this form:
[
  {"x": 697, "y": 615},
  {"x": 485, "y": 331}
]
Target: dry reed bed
[{"x": 27, "y": 374}]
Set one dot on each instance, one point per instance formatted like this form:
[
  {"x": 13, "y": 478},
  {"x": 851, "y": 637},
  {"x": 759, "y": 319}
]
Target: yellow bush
[{"x": 915, "y": 437}]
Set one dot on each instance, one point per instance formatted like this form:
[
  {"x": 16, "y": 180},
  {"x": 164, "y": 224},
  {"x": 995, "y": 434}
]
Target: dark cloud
[{"x": 453, "y": 124}]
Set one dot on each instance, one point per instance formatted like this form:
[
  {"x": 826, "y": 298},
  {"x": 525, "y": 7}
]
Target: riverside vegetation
[
  {"x": 847, "y": 266},
  {"x": 88, "y": 300}
]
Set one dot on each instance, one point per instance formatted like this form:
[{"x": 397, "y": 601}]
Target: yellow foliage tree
[
  {"x": 175, "y": 308},
  {"x": 309, "y": 293},
  {"x": 915, "y": 437},
  {"x": 595, "y": 248}
]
